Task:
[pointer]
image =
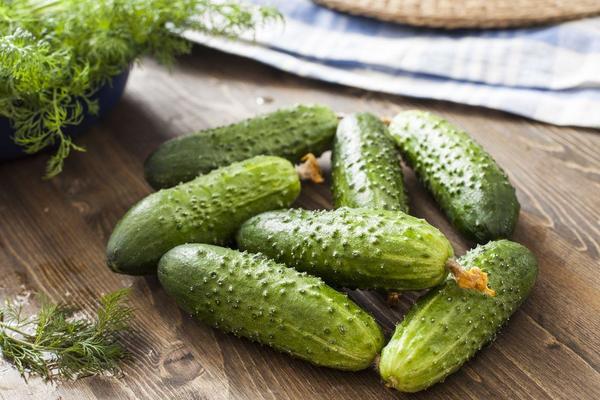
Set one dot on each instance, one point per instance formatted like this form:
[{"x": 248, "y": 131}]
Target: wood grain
[{"x": 53, "y": 234}]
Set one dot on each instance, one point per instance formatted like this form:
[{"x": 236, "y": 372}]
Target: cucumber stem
[
  {"x": 393, "y": 299},
  {"x": 472, "y": 278},
  {"x": 309, "y": 169}
]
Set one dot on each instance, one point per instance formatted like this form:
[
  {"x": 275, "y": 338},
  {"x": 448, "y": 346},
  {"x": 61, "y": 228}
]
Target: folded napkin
[{"x": 550, "y": 74}]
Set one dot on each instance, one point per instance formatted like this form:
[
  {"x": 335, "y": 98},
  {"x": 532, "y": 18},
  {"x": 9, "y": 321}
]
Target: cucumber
[
  {"x": 257, "y": 298},
  {"x": 449, "y": 324},
  {"x": 352, "y": 247},
  {"x": 288, "y": 133},
  {"x": 469, "y": 186},
  {"x": 208, "y": 209},
  {"x": 366, "y": 166}
]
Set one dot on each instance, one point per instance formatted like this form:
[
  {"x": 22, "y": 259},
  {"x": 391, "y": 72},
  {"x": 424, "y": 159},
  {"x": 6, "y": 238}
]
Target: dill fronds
[
  {"x": 55, "y": 345},
  {"x": 55, "y": 54}
]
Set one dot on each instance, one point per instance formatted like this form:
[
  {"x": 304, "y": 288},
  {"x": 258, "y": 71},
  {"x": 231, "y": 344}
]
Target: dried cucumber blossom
[{"x": 55, "y": 54}]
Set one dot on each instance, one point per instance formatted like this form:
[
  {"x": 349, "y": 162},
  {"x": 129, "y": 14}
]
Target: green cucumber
[
  {"x": 472, "y": 190},
  {"x": 366, "y": 167},
  {"x": 352, "y": 247},
  {"x": 288, "y": 133},
  {"x": 448, "y": 325},
  {"x": 257, "y": 298},
  {"x": 208, "y": 209}
]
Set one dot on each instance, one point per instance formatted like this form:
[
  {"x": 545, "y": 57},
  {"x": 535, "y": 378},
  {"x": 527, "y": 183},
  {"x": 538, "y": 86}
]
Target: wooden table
[{"x": 53, "y": 234}]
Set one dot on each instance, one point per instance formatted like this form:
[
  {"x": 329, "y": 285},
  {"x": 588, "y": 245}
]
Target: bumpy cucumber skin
[
  {"x": 257, "y": 298},
  {"x": 352, "y": 247},
  {"x": 472, "y": 190},
  {"x": 288, "y": 133},
  {"x": 208, "y": 209},
  {"x": 449, "y": 325},
  {"x": 366, "y": 166}
]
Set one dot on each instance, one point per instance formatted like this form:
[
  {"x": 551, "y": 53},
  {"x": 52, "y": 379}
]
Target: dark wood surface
[{"x": 53, "y": 234}]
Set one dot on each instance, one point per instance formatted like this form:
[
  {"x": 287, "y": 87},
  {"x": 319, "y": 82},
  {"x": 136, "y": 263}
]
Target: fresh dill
[
  {"x": 55, "y": 54},
  {"x": 58, "y": 346}
]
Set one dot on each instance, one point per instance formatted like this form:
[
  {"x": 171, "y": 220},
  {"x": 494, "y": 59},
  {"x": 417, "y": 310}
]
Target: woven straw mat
[{"x": 452, "y": 14}]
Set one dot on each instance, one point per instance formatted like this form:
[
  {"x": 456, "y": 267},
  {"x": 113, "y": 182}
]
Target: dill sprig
[
  {"x": 55, "y": 345},
  {"x": 55, "y": 54}
]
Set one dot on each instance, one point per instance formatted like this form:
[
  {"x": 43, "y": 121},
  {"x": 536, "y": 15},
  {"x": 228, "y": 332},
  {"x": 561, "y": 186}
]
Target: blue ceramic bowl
[{"x": 107, "y": 97}]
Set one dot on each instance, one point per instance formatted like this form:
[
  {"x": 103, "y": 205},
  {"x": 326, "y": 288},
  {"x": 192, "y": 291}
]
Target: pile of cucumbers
[{"x": 226, "y": 245}]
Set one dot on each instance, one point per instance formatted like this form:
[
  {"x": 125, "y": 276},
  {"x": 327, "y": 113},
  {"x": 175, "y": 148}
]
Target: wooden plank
[{"x": 53, "y": 234}]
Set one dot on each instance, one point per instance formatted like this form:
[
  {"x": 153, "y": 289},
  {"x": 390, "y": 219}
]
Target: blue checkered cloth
[{"x": 550, "y": 74}]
